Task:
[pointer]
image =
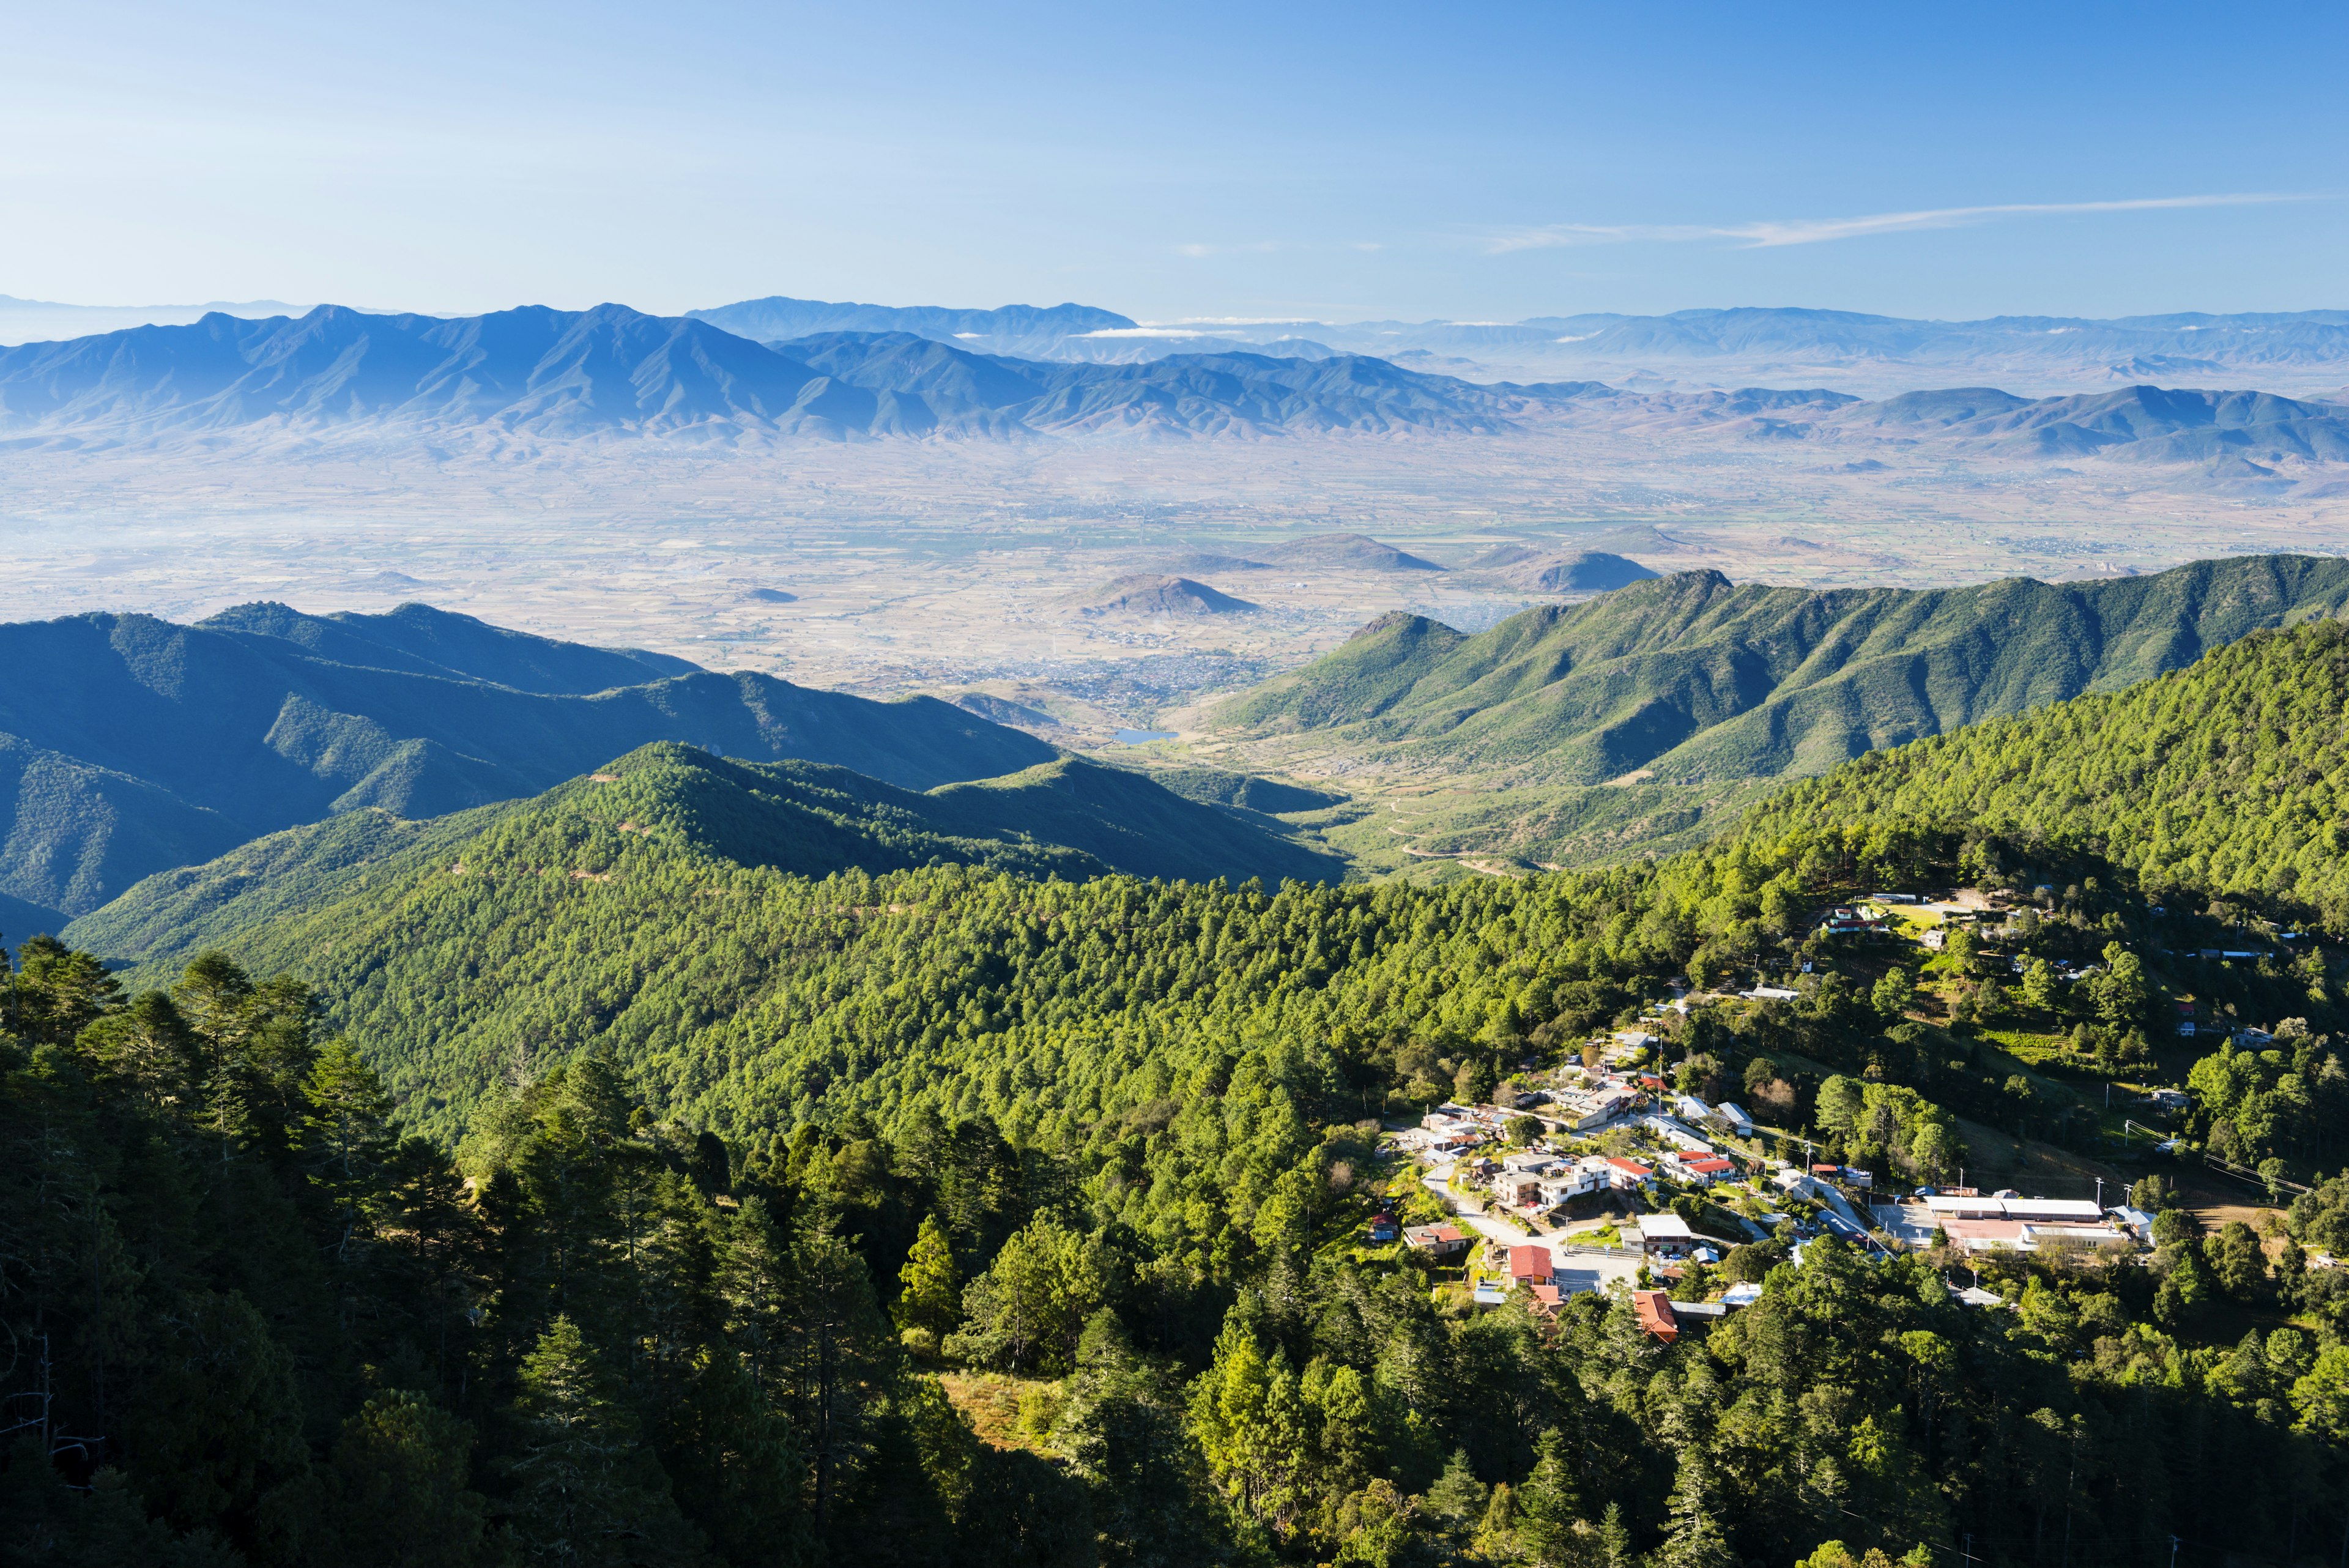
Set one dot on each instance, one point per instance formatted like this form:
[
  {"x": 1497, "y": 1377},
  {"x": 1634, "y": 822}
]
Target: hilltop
[
  {"x": 1549, "y": 570},
  {"x": 1356, "y": 550},
  {"x": 647, "y": 852},
  {"x": 1148, "y": 593}
]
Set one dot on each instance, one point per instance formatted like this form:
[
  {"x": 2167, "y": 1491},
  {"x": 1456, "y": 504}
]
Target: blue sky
[{"x": 1178, "y": 162}]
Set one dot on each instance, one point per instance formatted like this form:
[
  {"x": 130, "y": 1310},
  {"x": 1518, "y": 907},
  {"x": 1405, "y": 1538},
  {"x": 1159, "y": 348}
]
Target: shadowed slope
[{"x": 128, "y": 744}]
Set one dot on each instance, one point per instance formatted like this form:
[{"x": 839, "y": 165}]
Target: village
[{"x": 1599, "y": 1176}]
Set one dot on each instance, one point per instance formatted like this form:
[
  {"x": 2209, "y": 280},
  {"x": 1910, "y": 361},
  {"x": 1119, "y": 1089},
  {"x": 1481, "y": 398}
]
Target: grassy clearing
[
  {"x": 990, "y": 1402},
  {"x": 2027, "y": 1046},
  {"x": 1996, "y": 1159}
]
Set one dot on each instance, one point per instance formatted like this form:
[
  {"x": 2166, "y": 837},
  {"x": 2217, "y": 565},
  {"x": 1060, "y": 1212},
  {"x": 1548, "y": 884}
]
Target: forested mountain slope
[
  {"x": 1691, "y": 678},
  {"x": 1114, "y": 1135},
  {"x": 666, "y": 810},
  {"x": 2231, "y": 777},
  {"x": 128, "y": 744}
]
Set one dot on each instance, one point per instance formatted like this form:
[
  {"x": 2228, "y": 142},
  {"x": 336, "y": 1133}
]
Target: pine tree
[
  {"x": 929, "y": 1296},
  {"x": 1614, "y": 1538},
  {"x": 1458, "y": 1499},
  {"x": 400, "y": 1498},
  {"x": 586, "y": 1492},
  {"x": 1692, "y": 1533},
  {"x": 835, "y": 1361},
  {"x": 1546, "y": 1503}
]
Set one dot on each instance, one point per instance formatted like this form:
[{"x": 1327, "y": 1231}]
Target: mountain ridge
[
  {"x": 531, "y": 376},
  {"x": 1694, "y": 674},
  {"x": 2228, "y": 776},
  {"x": 129, "y": 744},
  {"x": 1068, "y": 818},
  {"x": 533, "y": 373}
]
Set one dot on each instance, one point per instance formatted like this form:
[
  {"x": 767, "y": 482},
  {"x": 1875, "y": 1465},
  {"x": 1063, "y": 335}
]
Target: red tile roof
[
  {"x": 1632, "y": 1167},
  {"x": 1655, "y": 1310},
  {"x": 1531, "y": 1263}
]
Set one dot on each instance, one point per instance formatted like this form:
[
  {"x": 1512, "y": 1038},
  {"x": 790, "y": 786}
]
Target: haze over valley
[{"x": 890, "y": 513}]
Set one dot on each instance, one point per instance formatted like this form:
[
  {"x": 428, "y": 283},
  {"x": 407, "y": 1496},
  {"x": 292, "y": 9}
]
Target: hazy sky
[{"x": 1174, "y": 162}]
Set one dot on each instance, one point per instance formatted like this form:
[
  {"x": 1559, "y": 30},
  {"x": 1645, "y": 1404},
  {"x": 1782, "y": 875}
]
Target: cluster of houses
[
  {"x": 1533, "y": 1183},
  {"x": 1533, "y": 1269}
]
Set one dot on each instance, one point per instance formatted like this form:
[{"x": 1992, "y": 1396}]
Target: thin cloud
[
  {"x": 1772, "y": 234},
  {"x": 1197, "y": 250}
]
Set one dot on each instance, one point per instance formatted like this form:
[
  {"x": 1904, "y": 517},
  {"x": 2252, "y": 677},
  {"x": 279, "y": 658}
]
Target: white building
[{"x": 1677, "y": 1133}]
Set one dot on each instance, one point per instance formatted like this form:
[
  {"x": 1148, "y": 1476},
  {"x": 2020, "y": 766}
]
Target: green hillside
[
  {"x": 2230, "y": 777},
  {"x": 1699, "y": 691},
  {"x": 1692, "y": 677},
  {"x": 1069, "y": 819},
  {"x": 771, "y": 1094}
]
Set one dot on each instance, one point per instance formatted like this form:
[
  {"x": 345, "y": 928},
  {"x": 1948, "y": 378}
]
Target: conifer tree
[
  {"x": 929, "y": 1296},
  {"x": 1692, "y": 1534},
  {"x": 584, "y": 1492}
]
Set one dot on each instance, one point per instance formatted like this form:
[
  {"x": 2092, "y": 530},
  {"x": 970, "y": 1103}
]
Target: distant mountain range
[
  {"x": 535, "y": 376},
  {"x": 45, "y": 320},
  {"x": 2302, "y": 351},
  {"x": 615, "y": 372},
  {"x": 1024, "y": 331}
]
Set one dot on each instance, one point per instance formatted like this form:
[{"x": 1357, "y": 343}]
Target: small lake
[{"x": 1142, "y": 737}]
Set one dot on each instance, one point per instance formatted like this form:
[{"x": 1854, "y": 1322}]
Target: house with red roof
[
  {"x": 1530, "y": 1266},
  {"x": 1654, "y": 1308},
  {"x": 1628, "y": 1174},
  {"x": 1705, "y": 1169}
]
